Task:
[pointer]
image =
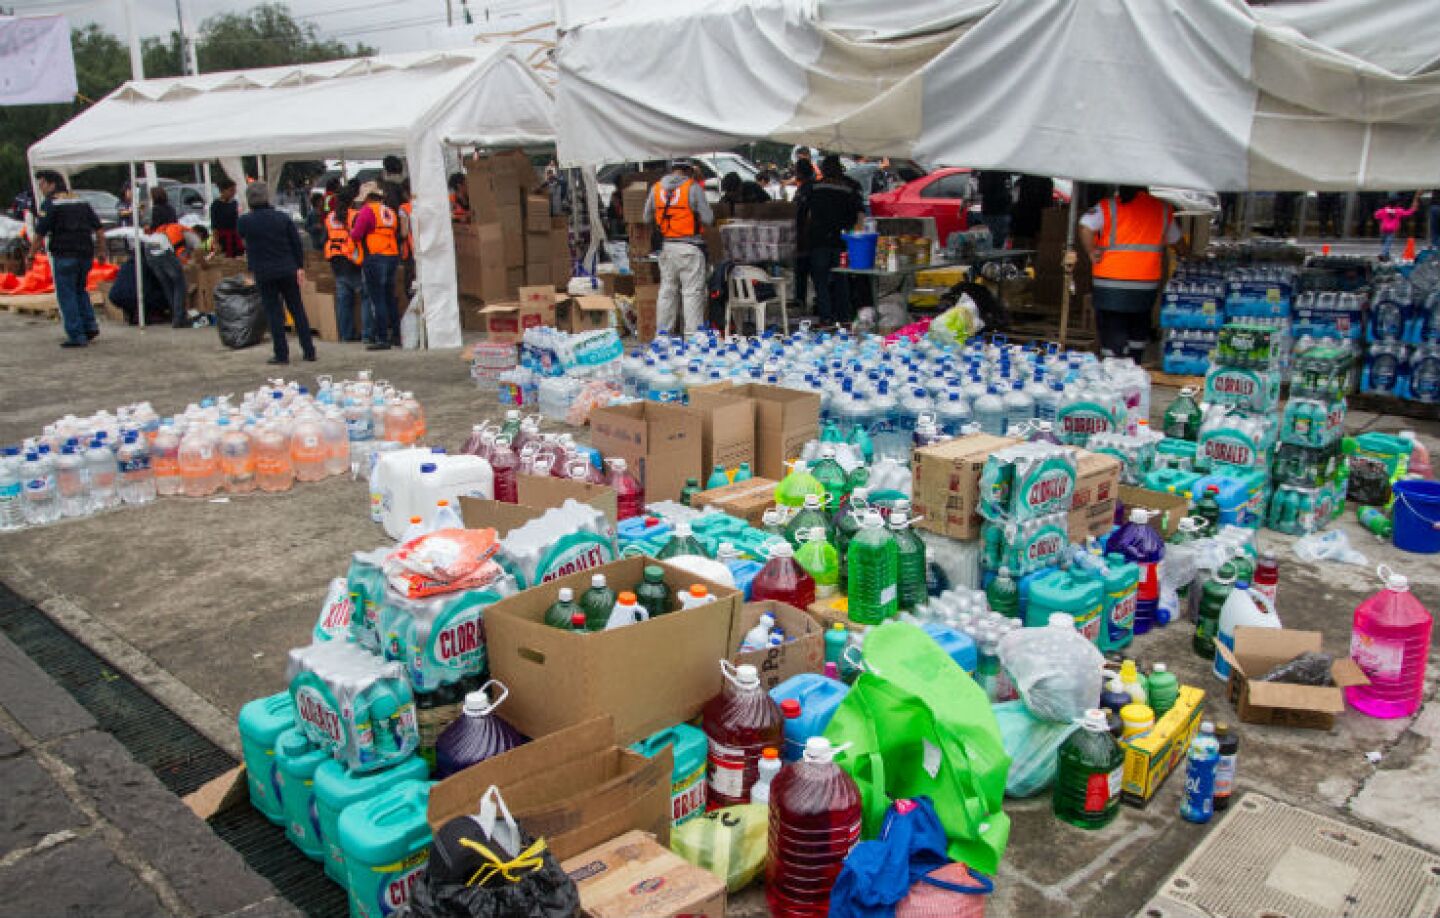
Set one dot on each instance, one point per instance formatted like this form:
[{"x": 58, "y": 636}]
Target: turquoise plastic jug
[
  {"x": 386, "y": 845},
  {"x": 818, "y": 698},
  {"x": 336, "y": 789},
  {"x": 261, "y": 723},
  {"x": 1073, "y": 592},
  {"x": 687, "y": 782},
  {"x": 957, "y": 644},
  {"x": 297, "y": 759},
  {"x": 1121, "y": 583}
]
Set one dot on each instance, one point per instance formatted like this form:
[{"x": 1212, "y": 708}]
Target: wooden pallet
[
  {"x": 1161, "y": 378},
  {"x": 42, "y": 304},
  {"x": 1389, "y": 404}
]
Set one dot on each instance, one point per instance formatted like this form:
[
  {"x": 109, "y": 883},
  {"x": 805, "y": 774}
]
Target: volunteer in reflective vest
[
  {"x": 677, "y": 207},
  {"x": 1126, "y": 237},
  {"x": 377, "y": 228},
  {"x": 345, "y": 257},
  {"x": 407, "y": 239}
]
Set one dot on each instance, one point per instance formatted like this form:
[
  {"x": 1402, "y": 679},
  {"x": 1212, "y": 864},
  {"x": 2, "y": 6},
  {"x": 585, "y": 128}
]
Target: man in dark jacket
[
  {"x": 277, "y": 258},
  {"x": 68, "y": 225},
  {"x": 224, "y": 218},
  {"x": 831, "y": 207}
]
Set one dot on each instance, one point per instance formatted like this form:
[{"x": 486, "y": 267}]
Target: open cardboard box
[
  {"x": 534, "y": 495},
  {"x": 634, "y": 876},
  {"x": 785, "y": 420},
  {"x": 747, "y": 500},
  {"x": 659, "y": 442},
  {"x": 647, "y": 676},
  {"x": 1257, "y": 651},
  {"x": 727, "y": 430},
  {"x": 802, "y": 652},
  {"x": 1172, "y": 507},
  {"x": 575, "y": 788}
]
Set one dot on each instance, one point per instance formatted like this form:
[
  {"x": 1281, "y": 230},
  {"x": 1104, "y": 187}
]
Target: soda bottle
[
  {"x": 629, "y": 495},
  {"x": 682, "y": 542},
  {"x": 911, "y": 560},
  {"x": 1201, "y": 761},
  {"x": 505, "y": 464},
  {"x": 815, "y": 813},
  {"x": 511, "y": 427},
  {"x": 1003, "y": 594},
  {"x": 1266, "y": 580},
  {"x": 873, "y": 566},
  {"x": 478, "y": 734},
  {"x": 597, "y": 603},
  {"x": 810, "y": 516},
  {"x": 1390, "y": 641},
  {"x": 738, "y": 723},
  {"x": 652, "y": 592},
  {"x": 783, "y": 579},
  {"x": 1182, "y": 417},
  {"x": 560, "y": 614},
  {"x": 1207, "y": 508},
  {"x": 1375, "y": 520},
  {"x": 831, "y": 476},
  {"x": 577, "y": 623},
  {"x": 1088, "y": 775},
  {"x": 687, "y": 493},
  {"x": 1162, "y": 688},
  {"x": 1225, "y": 769}
]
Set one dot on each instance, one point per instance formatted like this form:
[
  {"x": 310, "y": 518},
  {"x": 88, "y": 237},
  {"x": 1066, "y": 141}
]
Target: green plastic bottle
[
  {"x": 772, "y": 522},
  {"x": 831, "y": 476},
  {"x": 718, "y": 478},
  {"x": 1207, "y": 508},
  {"x": 820, "y": 561},
  {"x": 1213, "y": 594},
  {"x": 682, "y": 542},
  {"x": 558, "y": 615},
  {"x": 1089, "y": 775},
  {"x": 873, "y": 565},
  {"x": 791, "y": 490},
  {"x": 831, "y": 433},
  {"x": 811, "y": 515},
  {"x": 597, "y": 603},
  {"x": 687, "y": 493},
  {"x": 860, "y": 439},
  {"x": 859, "y": 478},
  {"x": 912, "y": 561},
  {"x": 847, "y": 523},
  {"x": 1163, "y": 688},
  {"x": 1182, "y": 417},
  {"x": 1003, "y": 594},
  {"x": 743, "y": 473},
  {"x": 652, "y": 593}
]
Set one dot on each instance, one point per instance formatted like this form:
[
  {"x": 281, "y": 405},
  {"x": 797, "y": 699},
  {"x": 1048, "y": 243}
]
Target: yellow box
[
  {"x": 940, "y": 277},
  {"x": 1150, "y": 757}
]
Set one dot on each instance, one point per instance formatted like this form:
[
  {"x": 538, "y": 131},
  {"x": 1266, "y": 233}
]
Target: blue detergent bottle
[
  {"x": 297, "y": 759},
  {"x": 818, "y": 698},
  {"x": 336, "y": 789},
  {"x": 1136, "y": 542}
]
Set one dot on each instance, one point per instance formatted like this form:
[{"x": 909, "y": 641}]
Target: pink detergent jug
[
  {"x": 1390, "y": 641},
  {"x": 629, "y": 495}
]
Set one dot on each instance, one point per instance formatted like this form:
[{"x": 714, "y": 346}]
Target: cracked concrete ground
[{"x": 200, "y": 601}]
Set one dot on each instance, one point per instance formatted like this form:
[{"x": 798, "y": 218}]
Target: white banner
[{"x": 37, "y": 65}]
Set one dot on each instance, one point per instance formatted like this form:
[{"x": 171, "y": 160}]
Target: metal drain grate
[
  {"x": 1271, "y": 860},
  {"x": 181, "y": 757}
]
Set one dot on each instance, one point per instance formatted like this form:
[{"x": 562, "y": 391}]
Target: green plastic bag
[
  {"x": 917, "y": 725},
  {"x": 731, "y": 842}
]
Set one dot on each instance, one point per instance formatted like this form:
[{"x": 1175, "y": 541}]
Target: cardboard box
[
  {"x": 1150, "y": 757},
  {"x": 480, "y": 262},
  {"x": 727, "y": 430},
  {"x": 320, "y": 311},
  {"x": 539, "y": 248},
  {"x": 785, "y": 420},
  {"x": 534, "y": 495},
  {"x": 1312, "y": 707},
  {"x": 946, "y": 484},
  {"x": 1172, "y": 508},
  {"x": 829, "y": 612},
  {"x": 746, "y": 500},
  {"x": 508, "y": 321},
  {"x": 537, "y": 213},
  {"x": 1097, "y": 485},
  {"x": 632, "y": 203},
  {"x": 512, "y": 224},
  {"x": 471, "y": 313},
  {"x": 514, "y": 280},
  {"x": 647, "y": 302},
  {"x": 538, "y": 274},
  {"x": 634, "y": 876},
  {"x": 660, "y": 442},
  {"x": 586, "y": 313},
  {"x": 575, "y": 788},
  {"x": 618, "y": 284},
  {"x": 803, "y": 652},
  {"x": 648, "y": 676}
]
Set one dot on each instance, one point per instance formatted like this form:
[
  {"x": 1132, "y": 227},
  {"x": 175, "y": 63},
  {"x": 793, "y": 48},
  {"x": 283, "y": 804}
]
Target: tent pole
[
  {"x": 1067, "y": 291},
  {"x": 139, "y": 247}
]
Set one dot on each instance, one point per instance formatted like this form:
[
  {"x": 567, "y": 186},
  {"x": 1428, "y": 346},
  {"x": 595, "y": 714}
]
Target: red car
[{"x": 942, "y": 195}]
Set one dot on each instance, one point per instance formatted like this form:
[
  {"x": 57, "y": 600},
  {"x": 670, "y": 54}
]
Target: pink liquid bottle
[
  {"x": 814, "y": 822},
  {"x": 783, "y": 579},
  {"x": 472, "y": 444},
  {"x": 629, "y": 495},
  {"x": 1390, "y": 641},
  {"x": 739, "y": 723},
  {"x": 505, "y": 464}
]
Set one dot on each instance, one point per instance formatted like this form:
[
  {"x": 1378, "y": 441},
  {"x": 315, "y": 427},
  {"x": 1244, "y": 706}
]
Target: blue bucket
[
  {"x": 1417, "y": 516},
  {"x": 861, "y": 249}
]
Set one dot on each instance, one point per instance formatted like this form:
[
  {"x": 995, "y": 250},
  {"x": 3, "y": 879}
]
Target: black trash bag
[
  {"x": 541, "y": 890},
  {"x": 239, "y": 314},
  {"x": 1310, "y": 668}
]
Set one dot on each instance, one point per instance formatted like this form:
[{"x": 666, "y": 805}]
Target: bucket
[
  {"x": 861, "y": 249},
  {"x": 1417, "y": 516}
]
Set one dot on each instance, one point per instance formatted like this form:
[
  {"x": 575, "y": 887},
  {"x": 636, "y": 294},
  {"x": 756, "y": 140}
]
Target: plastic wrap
[
  {"x": 1310, "y": 668},
  {"x": 1033, "y": 745},
  {"x": 1055, "y": 669}
]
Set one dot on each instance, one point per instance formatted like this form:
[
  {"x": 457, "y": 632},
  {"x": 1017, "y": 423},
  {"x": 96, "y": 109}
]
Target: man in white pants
[{"x": 677, "y": 206}]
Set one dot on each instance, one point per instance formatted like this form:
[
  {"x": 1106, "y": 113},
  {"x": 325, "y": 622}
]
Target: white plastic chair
[{"x": 742, "y": 297}]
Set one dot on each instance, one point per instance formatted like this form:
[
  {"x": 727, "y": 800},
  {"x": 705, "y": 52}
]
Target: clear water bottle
[
  {"x": 12, "y": 506},
  {"x": 137, "y": 479},
  {"x": 42, "y": 504},
  {"x": 70, "y": 481},
  {"x": 989, "y": 411},
  {"x": 103, "y": 473},
  {"x": 1019, "y": 407}
]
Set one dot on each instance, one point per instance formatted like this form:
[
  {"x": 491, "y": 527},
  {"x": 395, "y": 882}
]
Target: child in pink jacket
[{"x": 1389, "y": 218}]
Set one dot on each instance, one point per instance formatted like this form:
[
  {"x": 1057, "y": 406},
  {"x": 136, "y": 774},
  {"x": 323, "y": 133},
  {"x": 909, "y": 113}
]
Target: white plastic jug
[
  {"x": 407, "y": 492},
  {"x": 1243, "y": 608}
]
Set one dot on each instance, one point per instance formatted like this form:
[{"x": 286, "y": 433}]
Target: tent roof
[
  {"x": 361, "y": 106},
  {"x": 1210, "y": 94}
]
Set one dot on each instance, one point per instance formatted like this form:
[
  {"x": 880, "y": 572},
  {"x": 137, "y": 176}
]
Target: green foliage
[{"x": 266, "y": 36}]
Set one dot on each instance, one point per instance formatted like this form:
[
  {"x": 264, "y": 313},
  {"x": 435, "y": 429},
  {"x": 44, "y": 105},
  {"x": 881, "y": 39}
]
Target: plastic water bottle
[
  {"x": 1047, "y": 405},
  {"x": 165, "y": 460},
  {"x": 873, "y": 572},
  {"x": 815, "y": 815},
  {"x": 989, "y": 410},
  {"x": 1390, "y": 641},
  {"x": 629, "y": 495},
  {"x": 1088, "y": 775},
  {"x": 952, "y": 413},
  {"x": 70, "y": 482},
  {"x": 237, "y": 459},
  {"x": 103, "y": 474},
  {"x": 42, "y": 503},
  {"x": 1201, "y": 761},
  {"x": 137, "y": 479},
  {"x": 739, "y": 723},
  {"x": 12, "y": 505},
  {"x": 1019, "y": 407}
]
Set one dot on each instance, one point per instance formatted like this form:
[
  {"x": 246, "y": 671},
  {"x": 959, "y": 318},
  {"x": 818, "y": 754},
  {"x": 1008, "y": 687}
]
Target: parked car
[
  {"x": 105, "y": 205},
  {"x": 712, "y": 166},
  {"x": 189, "y": 200},
  {"x": 943, "y": 195}
]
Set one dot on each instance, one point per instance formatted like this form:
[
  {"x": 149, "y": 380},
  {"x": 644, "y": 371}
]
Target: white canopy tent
[
  {"x": 1209, "y": 94},
  {"x": 415, "y": 104}
]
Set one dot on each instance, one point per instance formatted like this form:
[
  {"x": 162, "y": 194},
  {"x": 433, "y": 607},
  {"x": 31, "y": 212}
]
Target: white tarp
[
  {"x": 1211, "y": 94},
  {"x": 413, "y": 104},
  {"x": 37, "y": 65}
]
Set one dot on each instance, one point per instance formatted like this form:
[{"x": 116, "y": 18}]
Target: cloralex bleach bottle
[{"x": 386, "y": 845}]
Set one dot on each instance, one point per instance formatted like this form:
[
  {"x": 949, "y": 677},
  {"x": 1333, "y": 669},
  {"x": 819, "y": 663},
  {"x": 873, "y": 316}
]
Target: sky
[{"x": 389, "y": 25}]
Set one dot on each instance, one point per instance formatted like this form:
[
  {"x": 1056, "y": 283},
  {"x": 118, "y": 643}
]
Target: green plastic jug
[
  {"x": 1122, "y": 582},
  {"x": 297, "y": 759},
  {"x": 1072, "y": 592},
  {"x": 386, "y": 845},
  {"x": 336, "y": 789},
  {"x": 690, "y": 749},
  {"x": 791, "y": 490},
  {"x": 261, "y": 723}
]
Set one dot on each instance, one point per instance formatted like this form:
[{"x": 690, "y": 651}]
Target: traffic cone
[{"x": 1409, "y": 250}]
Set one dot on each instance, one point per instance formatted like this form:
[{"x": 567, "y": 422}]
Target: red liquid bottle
[
  {"x": 1267, "y": 577},
  {"x": 739, "y": 723},
  {"x": 505, "y": 465},
  {"x": 783, "y": 579},
  {"x": 814, "y": 822},
  {"x": 629, "y": 495}
]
